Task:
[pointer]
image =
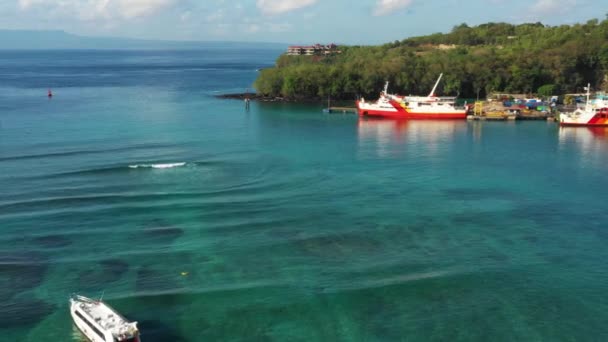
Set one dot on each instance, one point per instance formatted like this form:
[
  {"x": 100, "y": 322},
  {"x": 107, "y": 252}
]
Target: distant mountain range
[{"x": 43, "y": 40}]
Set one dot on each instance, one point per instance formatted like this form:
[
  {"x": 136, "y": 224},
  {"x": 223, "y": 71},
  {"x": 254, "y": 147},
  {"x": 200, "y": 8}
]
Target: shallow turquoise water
[{"x": 285, "y": 223}]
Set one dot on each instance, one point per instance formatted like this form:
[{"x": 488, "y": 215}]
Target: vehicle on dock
[
  {"x": 594, "y": 113},
  {"x": 100, "y": 323},
  {"x": 412, "y": 107}
]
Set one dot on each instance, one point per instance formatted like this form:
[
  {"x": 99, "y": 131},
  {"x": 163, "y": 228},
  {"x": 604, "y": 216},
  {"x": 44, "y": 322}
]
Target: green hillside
[{"x": 526, "y": 58}]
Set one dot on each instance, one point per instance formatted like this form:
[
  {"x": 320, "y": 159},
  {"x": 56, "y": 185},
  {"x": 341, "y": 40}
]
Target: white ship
[
  {"x": 100, "y": 323},
  {"x": 412, "y": 107},
  {"x": 595, "y": 112}
]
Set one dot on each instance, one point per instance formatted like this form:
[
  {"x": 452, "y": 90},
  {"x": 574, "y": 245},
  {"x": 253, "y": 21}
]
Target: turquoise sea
[{"x": 206, "y": 222}]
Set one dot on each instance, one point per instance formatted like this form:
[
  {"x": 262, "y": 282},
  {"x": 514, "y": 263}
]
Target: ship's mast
[
  {"x": 588, "y": 104},
  {"x": 436, "y": 84},
  {"x": 386, "y": 88}
]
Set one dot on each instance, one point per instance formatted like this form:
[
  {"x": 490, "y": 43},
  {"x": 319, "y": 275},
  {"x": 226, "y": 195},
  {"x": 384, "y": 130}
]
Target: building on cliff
[{"x": 313, "y": 50}]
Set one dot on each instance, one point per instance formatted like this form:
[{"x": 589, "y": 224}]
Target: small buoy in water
[
  {"x": 50, "y": 93},
  {"x": 184, "y": 274}
]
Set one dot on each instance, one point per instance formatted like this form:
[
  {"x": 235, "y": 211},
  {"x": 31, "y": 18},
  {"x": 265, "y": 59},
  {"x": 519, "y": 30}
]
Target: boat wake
[{"x": 156, "y": 166}]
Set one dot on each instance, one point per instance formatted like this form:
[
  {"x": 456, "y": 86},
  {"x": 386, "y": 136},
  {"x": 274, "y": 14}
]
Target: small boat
[
  {"x": 385, "y": 106},
  {"x": 594, "y": 114},
  {"x": 100, "y": 323},
  {"x": 412, "y": 107}
]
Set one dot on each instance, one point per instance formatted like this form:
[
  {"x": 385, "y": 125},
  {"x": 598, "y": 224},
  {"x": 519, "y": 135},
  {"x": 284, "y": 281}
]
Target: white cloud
[
  {"x": 216, "y": 16},
  {"x": 252, "y": 28},
  {"x": 271, "y": 7},
  {"x": 98, "y": 9},
  {"x": 257, "y": 27},
  {"x": 384, "y": 7},
  {"x": 553, "y": 6},
  {"x": 26, "y": 4},
  {"x": 140, "y": 8},
  {"x": 185, "y": 16},
  {"x": 278, "y": 27}
]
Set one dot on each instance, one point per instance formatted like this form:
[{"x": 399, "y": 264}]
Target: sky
[{"x": 284, "y": 21}]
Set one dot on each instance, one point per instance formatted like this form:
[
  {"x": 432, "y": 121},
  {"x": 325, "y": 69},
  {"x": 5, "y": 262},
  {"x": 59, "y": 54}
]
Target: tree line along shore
[{"x": 495, "y": 57}]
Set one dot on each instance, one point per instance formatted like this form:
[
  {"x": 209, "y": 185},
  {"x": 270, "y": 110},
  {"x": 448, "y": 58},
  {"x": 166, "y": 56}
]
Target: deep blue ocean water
[{"x": 207, "y": 222}]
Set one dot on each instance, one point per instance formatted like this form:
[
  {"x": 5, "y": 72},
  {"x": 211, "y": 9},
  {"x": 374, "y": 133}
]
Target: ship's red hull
[
  {"x": 431, "y": 116},
  {"x": 584, "y": 124}
]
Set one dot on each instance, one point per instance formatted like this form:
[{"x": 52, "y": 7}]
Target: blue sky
[{"x": 286, "y": 21}]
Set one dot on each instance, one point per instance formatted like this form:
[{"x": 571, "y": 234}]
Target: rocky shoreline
[{"x": 264, "y": 98}]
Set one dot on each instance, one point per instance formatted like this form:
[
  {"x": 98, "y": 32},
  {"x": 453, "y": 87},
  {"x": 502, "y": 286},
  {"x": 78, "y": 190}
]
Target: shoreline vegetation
[
  {"x": 266, "y": 98},
  {"x": 476, "y": 61}
]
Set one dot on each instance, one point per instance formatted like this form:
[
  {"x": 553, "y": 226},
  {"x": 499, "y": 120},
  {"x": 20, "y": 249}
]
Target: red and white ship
[
  {"x": 595, "y": 112},
  {"x": 412, "y": 107}
]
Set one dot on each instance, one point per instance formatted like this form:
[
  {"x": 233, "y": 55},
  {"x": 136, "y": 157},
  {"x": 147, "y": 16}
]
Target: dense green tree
[
  {"x": 475, "y": 61},
  {"x": 548, "y": 90}
]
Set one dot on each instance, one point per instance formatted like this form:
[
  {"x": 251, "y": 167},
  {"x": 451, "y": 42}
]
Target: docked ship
[
  {"x": 100, "y": 323},
  {"x": 594, "y": 114},
  {"x": 412, "y": 107}
]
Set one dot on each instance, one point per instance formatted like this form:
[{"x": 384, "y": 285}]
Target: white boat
[
  {"x": 100, "y": 323},
  {"x": 384, "y": 106},
  {"x": 595, "y": 112}
]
